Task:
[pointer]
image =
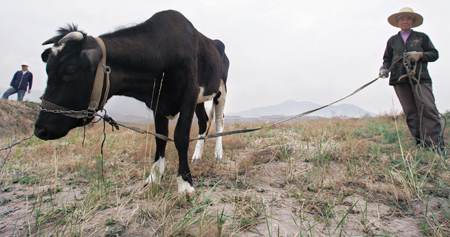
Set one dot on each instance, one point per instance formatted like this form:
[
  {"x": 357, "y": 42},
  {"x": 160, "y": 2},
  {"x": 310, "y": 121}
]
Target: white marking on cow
[
  {"x": 219, "y": 119},
  {"x": 172, "y": 117},
  {"x": 57, "y": 49},
  {"x": 157, "y": 172},
  {"x": 202, "y": 98},
  {"x": 184, "y": 187},
  {"x": 198, "y": 149}
]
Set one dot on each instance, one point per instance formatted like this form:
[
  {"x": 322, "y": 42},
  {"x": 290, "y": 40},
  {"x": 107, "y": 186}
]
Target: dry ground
[{"x": 330, "y": 177}]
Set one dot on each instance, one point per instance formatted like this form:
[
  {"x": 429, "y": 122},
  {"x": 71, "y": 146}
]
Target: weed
[
  {"x": 5, "y": 200},
  {"x": 114, "y": 232},
  {"x": 110, "y": 221},
  {"x": 8, "y": 189},
  {"x": 26, "y": 179},
  {"x": 379, "y": 128},
  {"x": 310, "y": 171}
]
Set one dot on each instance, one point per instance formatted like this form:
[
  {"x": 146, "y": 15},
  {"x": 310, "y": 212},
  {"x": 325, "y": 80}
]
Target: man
[
  {"x": 21, "y": 80},
  {"x": 413, "y": 90}
]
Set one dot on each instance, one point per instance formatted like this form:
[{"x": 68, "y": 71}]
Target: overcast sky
[{"x": 317, "y": 51}]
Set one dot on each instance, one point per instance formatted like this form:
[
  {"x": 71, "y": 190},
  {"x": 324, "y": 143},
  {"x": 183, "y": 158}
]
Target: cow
[{"x": 164, "y": 62}]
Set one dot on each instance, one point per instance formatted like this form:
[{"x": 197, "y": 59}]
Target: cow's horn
[{"x": 71, "y": 36}]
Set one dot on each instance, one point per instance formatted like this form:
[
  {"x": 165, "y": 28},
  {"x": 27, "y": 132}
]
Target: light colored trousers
[{"x": 20, "y": 93}]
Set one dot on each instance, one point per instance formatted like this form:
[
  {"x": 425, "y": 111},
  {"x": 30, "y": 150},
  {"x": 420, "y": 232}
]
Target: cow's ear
[
  {"x": 92, "y": 55},
  {"x": 46, "y": 54}
]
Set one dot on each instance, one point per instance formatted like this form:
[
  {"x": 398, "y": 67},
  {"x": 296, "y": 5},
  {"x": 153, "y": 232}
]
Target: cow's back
[
  {"x": 212, "y": 60},
  {"x": 211, "y": 56},
  {"x": 220, "y": 46},
  {"x": 165, "y": 40}
]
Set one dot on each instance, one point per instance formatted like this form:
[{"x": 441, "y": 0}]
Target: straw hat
[{"x": 418, "y": 19}]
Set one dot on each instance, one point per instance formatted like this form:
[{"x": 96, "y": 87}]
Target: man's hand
[
  {"x": 29, "y": 91},
  {"x": 413, "y": 56},
  {"x": 383, "y": 73}
]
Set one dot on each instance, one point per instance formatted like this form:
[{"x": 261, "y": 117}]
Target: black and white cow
[{"x": 164, "y": 56}]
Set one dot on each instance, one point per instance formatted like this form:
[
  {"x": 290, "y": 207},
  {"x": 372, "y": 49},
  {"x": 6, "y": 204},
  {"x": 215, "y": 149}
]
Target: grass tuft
[{"x": 323, "y": 177}]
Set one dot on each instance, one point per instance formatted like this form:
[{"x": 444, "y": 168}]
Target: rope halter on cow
[{"x": 95, "y": 104}]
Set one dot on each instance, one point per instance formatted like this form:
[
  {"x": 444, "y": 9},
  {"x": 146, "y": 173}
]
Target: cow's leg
[
  {"x": 161, "y": 127},
  {"x": 181, "y": 138},
  {"x": 204, "y": 123},
  {"x": 219, "y": 103}
]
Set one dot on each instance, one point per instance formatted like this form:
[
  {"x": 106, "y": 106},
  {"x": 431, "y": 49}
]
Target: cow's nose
[{"x": 40, "y": 133}]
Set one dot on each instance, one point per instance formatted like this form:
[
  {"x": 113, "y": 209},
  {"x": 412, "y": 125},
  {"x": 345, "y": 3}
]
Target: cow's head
[{"x": 71, "y": 68}]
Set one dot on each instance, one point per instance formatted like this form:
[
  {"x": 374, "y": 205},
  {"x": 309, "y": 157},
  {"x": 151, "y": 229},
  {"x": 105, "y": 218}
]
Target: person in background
[
  {"x": 21, "y": 80},
  {"x": 414, "y": 90}
]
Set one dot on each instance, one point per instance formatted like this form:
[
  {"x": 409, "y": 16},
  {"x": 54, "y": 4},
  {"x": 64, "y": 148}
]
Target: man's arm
[
  {"x": 12, "y": 81},
  {"x": 30, "y": 83},
  {"x": 388, "y": 54},
  {"x": 430, "y": 53}
]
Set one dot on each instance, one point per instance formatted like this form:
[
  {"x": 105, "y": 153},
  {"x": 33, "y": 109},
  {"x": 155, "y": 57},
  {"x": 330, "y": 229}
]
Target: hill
[
  {"x": 17, "y": 117},
  {"x": 290, "y": 107}
]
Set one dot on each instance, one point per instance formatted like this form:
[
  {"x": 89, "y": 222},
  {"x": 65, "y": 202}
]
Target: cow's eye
[{"x": 69, "y": 72}]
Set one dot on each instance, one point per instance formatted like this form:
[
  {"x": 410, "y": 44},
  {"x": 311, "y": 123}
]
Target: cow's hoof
[
  {"x": 185, "y": 187},
  {"x": 157, "y": 172},
  {"x": 152, "y": 179},
  {"x": 195, "y": 161},
  {"x": 198, "y": 150},
  {"x": 218, "y": 154}
]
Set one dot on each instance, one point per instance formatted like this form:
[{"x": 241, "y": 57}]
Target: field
[{"x": 323, "y": 177}]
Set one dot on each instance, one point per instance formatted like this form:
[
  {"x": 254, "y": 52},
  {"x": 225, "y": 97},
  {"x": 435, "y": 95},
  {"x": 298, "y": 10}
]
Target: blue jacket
[{"x": 20, "y": 82}]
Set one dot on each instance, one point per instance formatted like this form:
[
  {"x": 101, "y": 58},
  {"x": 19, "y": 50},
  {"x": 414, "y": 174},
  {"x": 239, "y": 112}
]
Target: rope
[
  {"x": 411, "y": 74},
  {"x": 141, "y": 131},
  {"x": 116, "y": 125},
  {"x": 160, "y": 136},
  {"x": 17, "y": 143},
  {"x": 9, "y": 150}
]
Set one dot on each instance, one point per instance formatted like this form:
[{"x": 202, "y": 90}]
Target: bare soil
[{"x": 261, "y": 188}]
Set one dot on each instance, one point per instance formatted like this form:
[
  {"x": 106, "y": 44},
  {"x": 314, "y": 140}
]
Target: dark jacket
[
  {"x": 395, "y": 48},
  {"x": 20, "y": 82}
]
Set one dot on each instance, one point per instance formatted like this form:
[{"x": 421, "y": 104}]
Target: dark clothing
[
  {"x": 21, "y": 81},
  {"x": 417, "y": 100},
  {"x": 19, "y": 85},
  {"x": 413, "y": 107},
  {"x": 417, "y": 41}
]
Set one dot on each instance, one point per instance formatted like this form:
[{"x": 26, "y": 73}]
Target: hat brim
[{"x": 418, "y": 19}]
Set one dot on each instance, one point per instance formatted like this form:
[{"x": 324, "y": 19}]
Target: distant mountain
[{"x": 290, "y": 107}]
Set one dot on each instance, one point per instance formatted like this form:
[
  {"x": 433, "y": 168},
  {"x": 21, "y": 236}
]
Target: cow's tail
[{"x": 210, "y": 118}]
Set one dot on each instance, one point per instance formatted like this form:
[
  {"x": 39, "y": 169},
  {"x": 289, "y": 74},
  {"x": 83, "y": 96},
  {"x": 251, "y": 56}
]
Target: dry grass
[
  {"x": 15, "y": 117},
  {"x": 330, "y": 177}
]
